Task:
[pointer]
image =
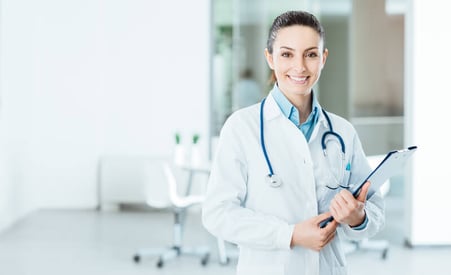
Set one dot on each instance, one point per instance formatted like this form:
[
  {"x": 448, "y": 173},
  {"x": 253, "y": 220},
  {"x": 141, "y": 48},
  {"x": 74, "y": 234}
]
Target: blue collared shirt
[{"x": 292, "y": 113}]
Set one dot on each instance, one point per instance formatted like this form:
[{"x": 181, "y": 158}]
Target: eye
[
  {"x": 311, "y": 55},
  {"x": 286, "y": 54}
]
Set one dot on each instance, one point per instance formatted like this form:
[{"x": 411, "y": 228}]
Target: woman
[{"x": 284, "y": 165}]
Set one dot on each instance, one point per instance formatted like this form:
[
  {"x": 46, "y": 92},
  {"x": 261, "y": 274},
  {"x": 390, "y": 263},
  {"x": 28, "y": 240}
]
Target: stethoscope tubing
[
  {"x": 271, "y": 175},
  {"x": 262, "y": 139},
  {"x": 331, "y": 132}
]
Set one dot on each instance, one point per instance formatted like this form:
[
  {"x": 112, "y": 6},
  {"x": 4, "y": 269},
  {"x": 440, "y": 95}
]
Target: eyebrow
[{"x": 291, "y": 49}]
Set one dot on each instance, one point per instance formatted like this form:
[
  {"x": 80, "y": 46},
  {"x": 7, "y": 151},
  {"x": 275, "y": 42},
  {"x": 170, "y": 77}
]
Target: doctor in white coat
[{"x": 275, "y": 221}]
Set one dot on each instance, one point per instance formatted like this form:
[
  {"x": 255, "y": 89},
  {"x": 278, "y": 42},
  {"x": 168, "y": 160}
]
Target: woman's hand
[
  {"x": 309, "y": 235},
  {"x": 349, "y": 210}
]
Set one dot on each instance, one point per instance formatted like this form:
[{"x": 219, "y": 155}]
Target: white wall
[
  {"x": 84, "y": 78},
  {"x": 427, "y": 90},
  {"x": 16, "y": 57}
]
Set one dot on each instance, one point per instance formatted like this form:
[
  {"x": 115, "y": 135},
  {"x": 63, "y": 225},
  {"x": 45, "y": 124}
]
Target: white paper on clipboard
[{"x": 392, "y": 164}]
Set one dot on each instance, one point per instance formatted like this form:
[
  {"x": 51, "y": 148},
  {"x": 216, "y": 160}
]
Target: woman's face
[{"x": 297, "y": 59}]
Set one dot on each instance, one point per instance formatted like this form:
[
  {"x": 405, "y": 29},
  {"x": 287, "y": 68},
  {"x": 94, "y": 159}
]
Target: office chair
[
  {"x": 161, "y": 192},
  {"x": 370, "y": 244}
]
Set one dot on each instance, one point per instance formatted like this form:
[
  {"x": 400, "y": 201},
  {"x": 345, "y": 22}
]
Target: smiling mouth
[{"x": 300, "y": 80}]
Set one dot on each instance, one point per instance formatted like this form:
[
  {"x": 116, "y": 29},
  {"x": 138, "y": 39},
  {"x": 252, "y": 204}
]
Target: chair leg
[
  {"x": 223, "y": 259},
  {"x": 376, "y": 245},
  {"x": 370, "y": 245},
  {"x": 177, "y": 249}
]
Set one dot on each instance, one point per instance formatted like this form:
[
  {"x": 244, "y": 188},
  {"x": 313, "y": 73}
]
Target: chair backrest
[
  {"x": 153, "y": 180},
  {"x": 158, "y": 182},
  {"x": 163, "y": 181}
]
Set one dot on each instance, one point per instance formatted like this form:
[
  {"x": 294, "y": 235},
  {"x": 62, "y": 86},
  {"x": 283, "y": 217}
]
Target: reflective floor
[{"x": 92, "y": 242}]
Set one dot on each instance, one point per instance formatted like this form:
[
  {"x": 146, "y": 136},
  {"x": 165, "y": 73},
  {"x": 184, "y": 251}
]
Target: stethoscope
[{"x": 274, "y": 180}]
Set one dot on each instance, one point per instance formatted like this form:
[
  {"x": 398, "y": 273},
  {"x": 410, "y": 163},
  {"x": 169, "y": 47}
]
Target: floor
[{"x": 55, "y": 242}]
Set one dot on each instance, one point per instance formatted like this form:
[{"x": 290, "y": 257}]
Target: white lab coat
[{"x": 242, "y": 208}]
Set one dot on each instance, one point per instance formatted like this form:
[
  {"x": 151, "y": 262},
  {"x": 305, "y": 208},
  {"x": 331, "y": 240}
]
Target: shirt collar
[
  {"x": 290, "y": 111},
  {"x": 284, "y": 105}
]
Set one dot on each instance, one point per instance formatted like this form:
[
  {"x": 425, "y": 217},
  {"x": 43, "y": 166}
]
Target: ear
[
  {"x": 269, "y": 59},
  {"x": 325, "y": 54}
]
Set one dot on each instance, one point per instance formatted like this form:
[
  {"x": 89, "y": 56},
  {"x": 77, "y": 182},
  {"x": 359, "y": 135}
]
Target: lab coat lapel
[
  {"x": 287, "y": 147},
  {"x": 321, "y": 126},
  {"x": 289, "y": 131},
  {"x": 271, "y": 110}
]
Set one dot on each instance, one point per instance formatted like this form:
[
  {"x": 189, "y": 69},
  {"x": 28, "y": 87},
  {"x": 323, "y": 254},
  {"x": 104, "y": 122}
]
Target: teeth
[{"x": 298, "y": 78}]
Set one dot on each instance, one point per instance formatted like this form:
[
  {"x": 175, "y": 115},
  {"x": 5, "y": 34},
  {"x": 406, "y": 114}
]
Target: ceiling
[{"x": 252, "y": 11}]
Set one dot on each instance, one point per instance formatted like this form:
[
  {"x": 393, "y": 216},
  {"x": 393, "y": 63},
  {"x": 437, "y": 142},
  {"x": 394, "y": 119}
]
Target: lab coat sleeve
[
  {"x": 223, "y": 211},
  {"x": 374, "y": 207}
]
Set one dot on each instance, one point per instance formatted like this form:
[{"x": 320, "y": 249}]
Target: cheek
[
  {"x": 315, "y": 66},
  {"x": 280, "y": 67}
]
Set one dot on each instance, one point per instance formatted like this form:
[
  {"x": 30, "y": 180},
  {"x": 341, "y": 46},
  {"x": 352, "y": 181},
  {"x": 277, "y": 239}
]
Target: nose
[{"x": 299, "y": 64}]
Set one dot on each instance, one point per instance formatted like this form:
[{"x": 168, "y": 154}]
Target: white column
[{"x": 427, "y": 88}]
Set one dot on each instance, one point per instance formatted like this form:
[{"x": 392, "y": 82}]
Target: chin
[{"x": 303, "y": 92}]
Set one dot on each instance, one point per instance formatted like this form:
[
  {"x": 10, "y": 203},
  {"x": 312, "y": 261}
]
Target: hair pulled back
[{"x": 291, "y": 18}]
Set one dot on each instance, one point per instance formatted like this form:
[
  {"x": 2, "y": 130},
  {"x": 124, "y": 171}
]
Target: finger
[
  {"x": 346, "y": 196},
  {"x": 331, "y": 226},
  {"x": 329, "y": 237},
  {"x": 335, "y": 223},
  {"x": 339, "y": 208},
  {"x": 334, "y": 207},
  {"x": 341, "y": 200},
  {"x": 364, "y": 192},
  {"x": 335, "y": 213},
  {"x": 327, "y": 240}
]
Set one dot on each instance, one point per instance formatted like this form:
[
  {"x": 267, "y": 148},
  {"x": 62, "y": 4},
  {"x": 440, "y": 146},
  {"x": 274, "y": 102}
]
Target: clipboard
[{"x": 392, "y": 164}]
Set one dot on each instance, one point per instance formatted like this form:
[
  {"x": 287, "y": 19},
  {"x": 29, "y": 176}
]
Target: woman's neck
[{"x": 303, "y": 104}]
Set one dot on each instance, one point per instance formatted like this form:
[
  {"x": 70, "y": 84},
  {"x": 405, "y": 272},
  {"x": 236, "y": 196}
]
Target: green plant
[
  {"x": 195, "y": 138},
  {"x": 178, "y": 138}
]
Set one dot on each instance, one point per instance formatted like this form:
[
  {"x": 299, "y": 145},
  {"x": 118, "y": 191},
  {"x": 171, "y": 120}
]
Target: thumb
[{"x": 364, "y": 192}]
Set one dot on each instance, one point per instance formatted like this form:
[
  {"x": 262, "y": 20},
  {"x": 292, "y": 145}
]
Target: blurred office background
[{"x": 81, "y": 81}]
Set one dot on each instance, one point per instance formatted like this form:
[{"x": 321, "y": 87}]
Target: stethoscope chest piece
[{"x": 273, "y": 180}]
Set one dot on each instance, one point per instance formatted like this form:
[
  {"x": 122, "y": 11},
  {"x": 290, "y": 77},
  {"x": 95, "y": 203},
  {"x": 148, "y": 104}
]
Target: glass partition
[
  {"x": 362, "y": 80},
  {"x": 240, "y": 74}
]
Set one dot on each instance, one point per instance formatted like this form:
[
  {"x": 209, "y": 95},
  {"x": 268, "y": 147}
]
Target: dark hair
[{"x": 291, "y": 18}]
